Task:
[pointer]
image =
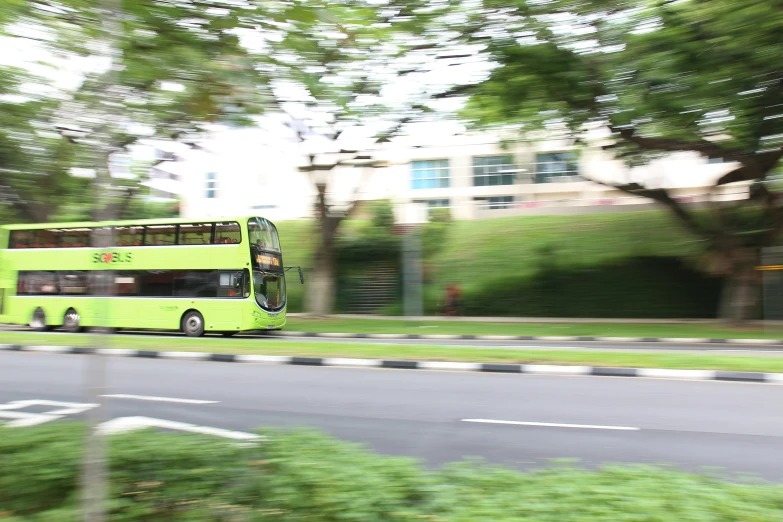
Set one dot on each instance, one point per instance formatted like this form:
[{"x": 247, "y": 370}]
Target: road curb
[
  {"x": 548, "y": 338},
  {"x": 530, "y": 369}
]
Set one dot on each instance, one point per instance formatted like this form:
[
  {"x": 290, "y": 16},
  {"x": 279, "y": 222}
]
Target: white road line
[
  {"x": 126, "y": 424},
  {"x": 23, "y": 419},
  {"x": 553, "y": 425},
  {"x": 157, "y": 399}
]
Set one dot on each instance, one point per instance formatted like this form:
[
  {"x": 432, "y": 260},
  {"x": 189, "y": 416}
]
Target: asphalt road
[
  {"x": 619, "y": 346},
  {"x": 736, "y": 426}
]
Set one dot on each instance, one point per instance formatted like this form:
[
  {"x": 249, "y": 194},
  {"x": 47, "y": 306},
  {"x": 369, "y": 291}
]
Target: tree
[
  {"x": 334, "y": 61},
  {"x": 663, "y": 77},
  {"x": 151, "y": 68}
]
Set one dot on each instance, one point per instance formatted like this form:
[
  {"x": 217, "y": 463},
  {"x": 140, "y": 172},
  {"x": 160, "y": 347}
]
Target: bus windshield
[
  {"x": 269, "y": 289},
  {"x": 263, "y": 234}
]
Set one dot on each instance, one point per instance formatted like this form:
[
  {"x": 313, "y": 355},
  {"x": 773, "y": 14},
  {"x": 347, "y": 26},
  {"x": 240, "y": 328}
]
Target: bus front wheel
[
  {"x": 71, "y": 321},
  {"x": 193, "y": 324},
  {"x": 38, "y": 322}
]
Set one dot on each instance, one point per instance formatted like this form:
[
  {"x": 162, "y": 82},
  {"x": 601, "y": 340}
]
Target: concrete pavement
[{"x": 738, "y": 426}]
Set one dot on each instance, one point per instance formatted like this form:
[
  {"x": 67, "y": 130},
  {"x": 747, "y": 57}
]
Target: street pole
[
  {"x": 413, "y": 274},
  {"x": 412, "y": 261},
  {"x": 95, "y": 489}
]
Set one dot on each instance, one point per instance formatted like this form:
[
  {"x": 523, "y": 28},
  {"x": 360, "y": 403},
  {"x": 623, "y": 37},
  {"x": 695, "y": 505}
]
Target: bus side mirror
[{"x": 301, "y": 276}]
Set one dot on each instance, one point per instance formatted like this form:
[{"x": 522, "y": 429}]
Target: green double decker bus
[{"x": 223, "y": 276}]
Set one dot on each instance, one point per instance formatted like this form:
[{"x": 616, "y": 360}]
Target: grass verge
[
  {"x": 684, "y": 361},
  {"x": 391, "y": 326}
]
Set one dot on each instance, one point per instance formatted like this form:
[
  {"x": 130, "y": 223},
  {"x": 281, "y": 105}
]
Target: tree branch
[
  {"x": 662, "y": 196},
  {"x": 704, "y": 147},
  {"x": 754, "y": 167}
]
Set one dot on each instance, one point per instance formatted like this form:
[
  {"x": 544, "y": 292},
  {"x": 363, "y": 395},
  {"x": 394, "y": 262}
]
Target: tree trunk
[
  {"x": 741, "y": 290},
  {"x": 321, "y": 288}
]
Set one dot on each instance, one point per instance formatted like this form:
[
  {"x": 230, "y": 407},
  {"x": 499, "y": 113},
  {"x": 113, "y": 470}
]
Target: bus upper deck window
[
  {"x": 75, "y": 238},
  {"x": 129, "y": 236},
  {"x": 227, "y": 233},
  {"x": 195, "y": 234},
  {"x": 157, "y": 235}
]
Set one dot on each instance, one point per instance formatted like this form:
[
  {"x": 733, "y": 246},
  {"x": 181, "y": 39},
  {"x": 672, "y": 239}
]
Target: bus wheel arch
[
  {"x": 72, "y": 321},
  {"x": 38, "y": 321},
  {"x": 192, "y": 323}
]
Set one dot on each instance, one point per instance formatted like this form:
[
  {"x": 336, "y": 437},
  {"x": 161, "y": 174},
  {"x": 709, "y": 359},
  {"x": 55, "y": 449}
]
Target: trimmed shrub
[{"x": 302, "y": 475}]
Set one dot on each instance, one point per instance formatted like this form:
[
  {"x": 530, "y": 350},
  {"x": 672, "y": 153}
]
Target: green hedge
[
  {"x": 306, "y": 476},
  {"x": 640, "y": 287}
]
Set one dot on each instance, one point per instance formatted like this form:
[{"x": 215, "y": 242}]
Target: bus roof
[{"x": 123, "y": 223}]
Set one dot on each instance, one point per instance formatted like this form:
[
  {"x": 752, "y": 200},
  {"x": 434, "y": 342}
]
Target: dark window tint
[
  {"x": 129, "y": 236},
  {"x": 75, "y": 237},
  {"x": 197, "y": 234},
  {"x": 46, "y": 238},
  {"x": 21, "y": 239},
  {"x": 156, "y": 283},
  {"x": 227, "y": 233},
  {"x": 233, "y": 284},
  {"x": 37, "y": 283},
  {"x": 73, "y": 283},
  {"x": 195, "y": 283},
  {"x": 99, "y": 282},
  {"x": 126, "y": 284},
  {"x": 160, "y": 235}
]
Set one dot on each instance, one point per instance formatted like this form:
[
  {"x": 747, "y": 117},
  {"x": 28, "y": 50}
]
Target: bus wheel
[
  {"x": 193, "y": 324},
  {"x": 38, "y": 322},
  {"x": 71, "y": 321}
]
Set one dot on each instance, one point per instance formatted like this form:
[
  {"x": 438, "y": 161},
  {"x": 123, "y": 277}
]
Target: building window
[
  {"x": 493, "y": 170},
  {"x": 556, "y": 167},
  {"x": 211, "y": 185},
  {"x": 433, "y": 204},
  {"x": 495, "y": 202},
  {"x": 430, "y": 174}
]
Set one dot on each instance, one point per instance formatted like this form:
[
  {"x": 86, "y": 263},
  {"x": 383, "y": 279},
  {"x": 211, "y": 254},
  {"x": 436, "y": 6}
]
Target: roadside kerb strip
[
  {"x": 530, "y": 369},
  {"x": 549, "y": 338}
]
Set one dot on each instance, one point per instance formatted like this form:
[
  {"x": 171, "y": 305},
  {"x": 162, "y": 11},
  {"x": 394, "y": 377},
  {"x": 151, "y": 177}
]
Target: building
[{"x": 255, "y": 170}]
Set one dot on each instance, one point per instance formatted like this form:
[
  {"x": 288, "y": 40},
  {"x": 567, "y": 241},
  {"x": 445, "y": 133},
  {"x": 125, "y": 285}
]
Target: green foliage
[
  {"x": 646, "y": 287},
  {"x": 368, "y": 242},
  {"x": 304, "y": 475},
  {"x": 383, "y": 215},
  {"x": 141, "y": 209},
  {"x": 181, "y": 66},
  {"x": 674, "y": 70},
  {"x": 435, "y": 232}
]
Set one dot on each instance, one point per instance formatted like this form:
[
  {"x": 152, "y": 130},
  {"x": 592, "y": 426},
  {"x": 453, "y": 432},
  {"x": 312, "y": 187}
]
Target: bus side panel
[{"x": 6, "y": 285}]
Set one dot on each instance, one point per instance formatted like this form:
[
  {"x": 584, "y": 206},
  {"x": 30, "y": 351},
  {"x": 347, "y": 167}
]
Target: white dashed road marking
[
  {"x": 157, "y": 399},
  {"x": 553, "y": 425}
]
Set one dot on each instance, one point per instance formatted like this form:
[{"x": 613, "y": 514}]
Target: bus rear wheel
[
  {"x": 38, "y": 322},
  {"x": 72, "y": 321},
  {"x": 193, "y": 324}
]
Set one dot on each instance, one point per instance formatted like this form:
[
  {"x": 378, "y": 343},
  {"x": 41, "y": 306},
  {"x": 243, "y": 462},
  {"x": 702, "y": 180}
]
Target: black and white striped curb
[
  {"x": 455, "y": 337},
  {"x": 536, "y": 369}
]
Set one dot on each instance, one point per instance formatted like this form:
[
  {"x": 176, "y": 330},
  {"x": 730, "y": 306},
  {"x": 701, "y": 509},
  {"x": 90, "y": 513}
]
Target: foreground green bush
[{"x": 306, "y": 476}]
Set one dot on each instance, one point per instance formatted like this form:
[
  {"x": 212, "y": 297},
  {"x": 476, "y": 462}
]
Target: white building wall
[{"x": 257, "y": 173}]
